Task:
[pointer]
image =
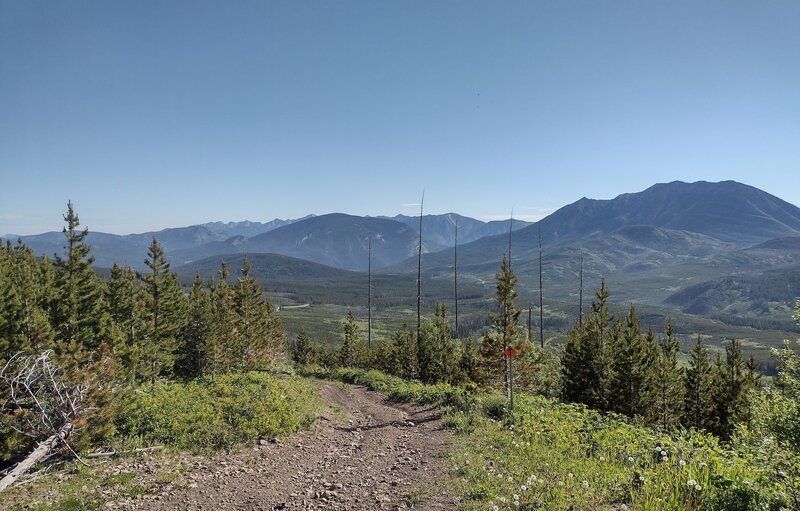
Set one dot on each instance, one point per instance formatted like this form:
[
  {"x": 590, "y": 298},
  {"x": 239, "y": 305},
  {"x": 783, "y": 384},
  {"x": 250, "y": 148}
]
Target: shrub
[{"x": 217, "y": 412}]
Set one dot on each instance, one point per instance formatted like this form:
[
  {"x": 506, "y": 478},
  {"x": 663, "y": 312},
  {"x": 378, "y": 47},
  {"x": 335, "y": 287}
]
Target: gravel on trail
[{"x": 363, "y": 453}]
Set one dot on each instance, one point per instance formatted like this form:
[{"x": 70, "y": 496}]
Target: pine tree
[
  {"x": 404, "y": 354},
  {"x": 698, "y": 382},
  {"x": 260, "y": 334},
  {"x": 434, "y": 351},
  {"x": 302, "y": 351},
  {"x": 12, "y": 338},
  {"x": 669, "y": 389},
  {"x": 585, "y": 364},
  {"x": 351, "y": 353},
  {"x": 503, "y": 331},
  {"x": 165, "y": 315},
  {"x": 35, "y": 284},
  {"x": 731, "y": 390},
  {"x": 630, "y": 381},
  {"x": 216, "y": 355},
  {"x": 189, "y": 363},
  {"x": 125, "y": 308},
  {"x": 78, "y": 310}
]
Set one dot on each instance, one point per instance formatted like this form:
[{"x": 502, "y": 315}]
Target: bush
[{"x": 217, "y": 412}]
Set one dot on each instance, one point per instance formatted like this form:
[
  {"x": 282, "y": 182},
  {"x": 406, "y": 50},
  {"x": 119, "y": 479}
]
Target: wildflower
[
  {"x": 510, "y": 478},
  {"x": 602, "y": 458},
  {"x": 641, "y": 478},
  {"x": 561, "y": 483},
  {"x": 630, "y": 459},
  {"x": 691, "y": 482},
  {"x": 523, "y": 488},
  {"x": 698, "y": 487},
  {"x": 664, "y": 453},
  {"x": 682, "y": 463},
  {"x": 511, "y": 427},
  {"x": 570, "y": 475},
  {"x": 586, "y": 484},
  {"x": 503, "y": 500},
  {"x": 495, "y": 508},
  {"x": 516, "y": 497}
]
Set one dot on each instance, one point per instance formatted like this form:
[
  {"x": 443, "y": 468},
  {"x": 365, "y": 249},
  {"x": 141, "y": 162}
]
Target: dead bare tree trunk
[
  {"x": 44, "y": 403},
  {"x": 44, "y": 447}
]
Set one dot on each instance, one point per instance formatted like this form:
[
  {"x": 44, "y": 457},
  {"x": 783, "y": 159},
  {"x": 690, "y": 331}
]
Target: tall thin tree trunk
[
  {"x": 530, "y": 338},
  {"x": 419, "y": 270},
  {"x": 510, "y": 230},
  {"x": 369, "y": 293},
  {"x": 580, "y": 296},
  {"x": 541, "y": 292},
  {"x": 455, "y": 279}
]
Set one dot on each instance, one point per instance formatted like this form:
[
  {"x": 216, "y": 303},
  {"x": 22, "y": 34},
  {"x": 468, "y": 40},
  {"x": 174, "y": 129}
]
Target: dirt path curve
[{"x": 370, "y": 455}]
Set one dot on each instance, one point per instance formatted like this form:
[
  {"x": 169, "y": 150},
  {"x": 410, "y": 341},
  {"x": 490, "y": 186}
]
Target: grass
[{"x": 218, "y": 412}]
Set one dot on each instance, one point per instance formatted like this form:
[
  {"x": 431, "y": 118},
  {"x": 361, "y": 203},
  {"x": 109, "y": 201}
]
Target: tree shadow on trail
[{"x": 397, "y": 424}]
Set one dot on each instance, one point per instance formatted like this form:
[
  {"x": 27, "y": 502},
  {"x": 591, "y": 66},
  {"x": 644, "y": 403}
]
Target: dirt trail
[{"x": 370, "y": 455}]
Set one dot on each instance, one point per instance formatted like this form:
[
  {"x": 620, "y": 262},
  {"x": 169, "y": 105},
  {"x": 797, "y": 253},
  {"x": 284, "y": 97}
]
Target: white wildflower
[
  {"x": 691, "y": 482},
  {"x": 698, "y": 487},
  {"x": 682, "y": 463}
]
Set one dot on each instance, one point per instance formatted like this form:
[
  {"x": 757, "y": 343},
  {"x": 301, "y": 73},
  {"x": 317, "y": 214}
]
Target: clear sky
[{"x": 150, "y": 114}]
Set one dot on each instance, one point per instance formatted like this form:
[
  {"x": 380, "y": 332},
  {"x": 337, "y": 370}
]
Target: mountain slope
[
  {"x": 730, "y": 212},
  {"x": 439, "y": 230},
  {"x": 124, "y": 249},
  {"x": 336, "y": 240},
  {"x": 264, "y": 267}
]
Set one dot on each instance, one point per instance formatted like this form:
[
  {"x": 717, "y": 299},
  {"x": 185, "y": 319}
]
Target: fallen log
[{"x": 44, "y": 447}]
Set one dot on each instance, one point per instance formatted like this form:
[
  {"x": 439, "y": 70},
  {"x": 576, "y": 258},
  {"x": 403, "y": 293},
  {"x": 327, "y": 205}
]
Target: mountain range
[{"x": 701, "y": 248}]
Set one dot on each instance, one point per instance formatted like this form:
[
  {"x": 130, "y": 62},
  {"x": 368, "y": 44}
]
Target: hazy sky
[{"x": 165, "y": 113}]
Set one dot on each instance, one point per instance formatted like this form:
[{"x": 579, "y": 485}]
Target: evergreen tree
[
  {"x": 404, "y": 354},
  {"x": 35, "y": 284},
  {"x": 503, "y": 331},
  {"x": 698, "y": 406},
  {"x": 302, "y": 351},
  {"x": 351, "y": 353},
  {"x": 260, "y": 333},
  {"x": 585, "y": 363},
  {"x": 730, "y": 390},
  {"x": 434, "y": 351},
  {"x": 630, "y": 381},
  {"x": 78, "y": 310},
  {"x": 125, "y": 307},
  {"x": 189, "y": 363},
  {"x": 468, "y": 362},
  {"x": 164, "y": 313},
  {"x": 12, "y": 338},
  {"x": 669, "y": 388},
  {"x": 216, "y": 357}
]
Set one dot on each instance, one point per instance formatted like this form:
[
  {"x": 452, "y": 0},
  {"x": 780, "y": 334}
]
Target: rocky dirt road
[{"x": 364, "y": 453}]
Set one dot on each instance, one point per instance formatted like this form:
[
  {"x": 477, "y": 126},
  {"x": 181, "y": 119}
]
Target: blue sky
[{"x": 167, "y": 113}]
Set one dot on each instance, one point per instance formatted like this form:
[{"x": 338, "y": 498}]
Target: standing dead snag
[{"x": 45, "y": 404}]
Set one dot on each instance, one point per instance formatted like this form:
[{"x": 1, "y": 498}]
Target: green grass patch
[{"x": 218, "y": 412}]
